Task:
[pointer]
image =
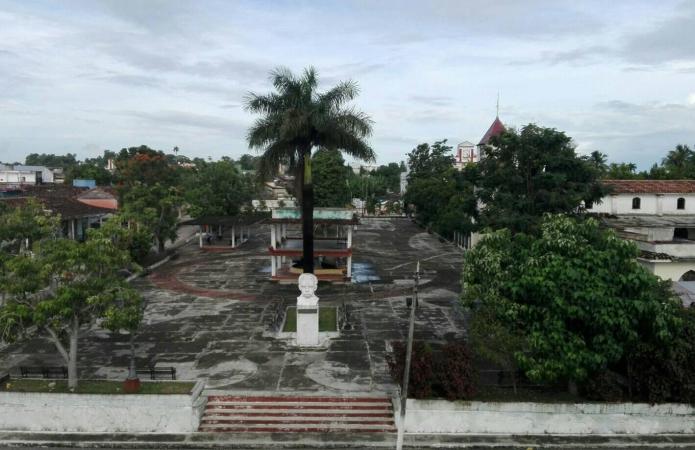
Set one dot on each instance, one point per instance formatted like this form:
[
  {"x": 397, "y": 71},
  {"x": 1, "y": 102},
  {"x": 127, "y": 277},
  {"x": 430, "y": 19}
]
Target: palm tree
[
  {"x": 677, "y": 160},
  {"x": 296, "y": 119}
]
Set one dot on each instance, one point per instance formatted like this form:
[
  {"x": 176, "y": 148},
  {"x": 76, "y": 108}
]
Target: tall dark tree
[
  {"x": 426, "y": 160},
  {"x": 331, "y": 187},
  {"x": 531, "y": 172},
  {"x": 296, "y": 119}
]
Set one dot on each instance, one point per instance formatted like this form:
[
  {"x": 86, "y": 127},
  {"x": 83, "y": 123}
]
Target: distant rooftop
[
  {"x": 495, "y": 129},
  {"x": 651, "y": 186}
]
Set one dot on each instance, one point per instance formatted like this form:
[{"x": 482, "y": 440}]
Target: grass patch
[
  {"x": 328, "y": 319},
  {"x": 94, "y": 386}
]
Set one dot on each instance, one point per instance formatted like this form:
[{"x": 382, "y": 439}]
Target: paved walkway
[{"x": 208, "y": 315}]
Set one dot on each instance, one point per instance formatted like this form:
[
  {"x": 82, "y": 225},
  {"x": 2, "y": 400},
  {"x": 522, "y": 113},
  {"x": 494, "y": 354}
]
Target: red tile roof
[
  {"x": 495, "y": 129},
  {"x": 651, "y": 186},
  {"x": 60, "y": 199}
]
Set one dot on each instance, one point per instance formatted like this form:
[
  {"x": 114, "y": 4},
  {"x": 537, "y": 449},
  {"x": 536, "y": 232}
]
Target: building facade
[{"x": 659, "y": 217}]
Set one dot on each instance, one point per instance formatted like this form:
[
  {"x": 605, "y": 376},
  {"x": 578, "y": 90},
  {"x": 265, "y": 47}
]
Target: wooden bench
[
  {"x": 162, "y": 372},
  {"x": 43, "y": 372}
]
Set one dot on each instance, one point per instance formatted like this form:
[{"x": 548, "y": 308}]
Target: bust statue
[{"x": 307, "y": 286}]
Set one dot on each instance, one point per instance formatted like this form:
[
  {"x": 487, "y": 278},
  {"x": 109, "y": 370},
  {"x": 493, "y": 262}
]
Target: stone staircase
[{"x": 297, "y": 413}]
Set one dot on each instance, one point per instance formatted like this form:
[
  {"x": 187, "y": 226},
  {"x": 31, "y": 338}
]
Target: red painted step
[{"x": 296, "y": 413}]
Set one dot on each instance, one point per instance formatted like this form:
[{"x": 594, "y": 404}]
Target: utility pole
[{"x": 408, "y": 353}]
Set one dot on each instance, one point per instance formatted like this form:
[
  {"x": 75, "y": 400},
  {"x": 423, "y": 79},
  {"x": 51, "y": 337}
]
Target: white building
[
  {"x": 21, "y": 174},
  {"x": 357, "y": 167},
  {"x": 44, "y": 174},
  {"x": 466, "y": 153},
  {"x": 659, "y": 217},
  {"x": 11, "y": 176}
]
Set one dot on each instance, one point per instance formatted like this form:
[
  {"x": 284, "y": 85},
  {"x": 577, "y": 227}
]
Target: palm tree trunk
[{"x": 307, "y": 214}]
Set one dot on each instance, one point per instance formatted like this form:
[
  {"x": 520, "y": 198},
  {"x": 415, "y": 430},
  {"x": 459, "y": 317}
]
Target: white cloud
[{"x": 607, "y": 73}]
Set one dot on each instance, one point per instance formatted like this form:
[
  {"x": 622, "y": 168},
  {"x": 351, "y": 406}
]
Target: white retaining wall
[
  {"x": 134, "y": 413},
  {"x": 441, "y": 416}
]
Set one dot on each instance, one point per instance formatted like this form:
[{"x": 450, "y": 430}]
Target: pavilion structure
[
  {"x": 332, "y": 243},
  {"x": 221, "y": 233}
]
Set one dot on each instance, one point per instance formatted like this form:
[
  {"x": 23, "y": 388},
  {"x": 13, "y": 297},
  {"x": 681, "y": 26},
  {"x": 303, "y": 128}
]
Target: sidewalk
[{"x": 338, "y": 441}]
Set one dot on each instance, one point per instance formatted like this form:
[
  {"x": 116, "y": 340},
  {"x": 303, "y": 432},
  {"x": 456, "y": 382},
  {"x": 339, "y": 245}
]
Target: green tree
[
  {"x": 61, "y": 286},
  {"x": 391, "y": 174},
  {"x": 528, "y": 173},
  {"x": 296, "y": 119},
  {"x": 680, "y": 162},
  {"x": 622, "y": 171},
  {"x": 248, "y": 162},
  {"x": 442, "y": 196},
  {"x": 149, "y": 188},
  {"x": 153, "y": 209},
  {"x": 88, "y": 171},
  {"x": 427, "y": 161},
  {"x": 330, "y": 174},
  {"x": 218, "y": 189},
  {"x": 22, "y": 226},
  {"x": 51, "y": 160},
  {"x": 575, "y": 293}
]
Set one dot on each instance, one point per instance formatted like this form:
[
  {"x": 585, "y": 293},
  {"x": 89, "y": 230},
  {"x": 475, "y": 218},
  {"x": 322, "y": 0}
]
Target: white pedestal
[{"x": 308, "y": 326}]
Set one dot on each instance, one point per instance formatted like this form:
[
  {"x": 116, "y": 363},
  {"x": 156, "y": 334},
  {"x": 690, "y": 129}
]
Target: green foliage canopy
[
  {"x": 330, "y": 176},
  {"x": 64, "y": 284},
  {"x": 529, "y": 173},
  {"x": 149, "y": 186},
  {"x": 575, "y": 293},
  {"x": 218, "y": 189}
]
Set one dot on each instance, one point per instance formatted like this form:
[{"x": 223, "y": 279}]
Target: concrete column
[
  {"x": 659, "y": 204},
  {"x": 349, "y": 236},
  {"x": 73, "y": 234},
  {"x": 273, "y": 266},
  {"x": 233, "y": 236},
  {"x": 349, "y": 266},
  {"x": 272, "y": 235},
  {"x": 219, "y": 230},
  {"x": 200, "y": 236}
]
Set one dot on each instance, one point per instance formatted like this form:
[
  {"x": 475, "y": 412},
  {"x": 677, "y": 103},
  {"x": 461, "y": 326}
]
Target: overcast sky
[{"x": 83, "y": 76}]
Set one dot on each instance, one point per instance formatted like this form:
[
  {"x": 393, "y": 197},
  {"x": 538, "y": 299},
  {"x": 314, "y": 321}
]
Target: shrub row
[{"x": 447, "y": 373}]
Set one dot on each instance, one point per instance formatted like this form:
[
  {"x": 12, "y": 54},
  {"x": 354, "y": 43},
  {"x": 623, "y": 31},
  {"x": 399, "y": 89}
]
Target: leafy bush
[
  {"x": 455, "y": 371},
  {"x": 666, "y": 373},
  {"x": 574, "y": 292},
  {"x": 453, "y": 377},
  {"x": 421, "y": 368},
  {"x": 605, "y": 386}
]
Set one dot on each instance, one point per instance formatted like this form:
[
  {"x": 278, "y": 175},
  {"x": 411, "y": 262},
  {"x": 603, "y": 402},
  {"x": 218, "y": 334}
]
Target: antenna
[{"x": 498, "y": 103}]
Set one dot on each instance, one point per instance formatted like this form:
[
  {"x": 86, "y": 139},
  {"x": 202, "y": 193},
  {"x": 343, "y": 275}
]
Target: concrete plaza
[{"x": 209, "y": 315}]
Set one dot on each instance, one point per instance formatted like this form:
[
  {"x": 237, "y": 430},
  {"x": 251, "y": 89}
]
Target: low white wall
[
  {"x": 23, "y": 411},
  {"x": 441, "y": 416}
]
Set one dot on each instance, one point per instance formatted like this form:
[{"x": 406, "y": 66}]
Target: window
[
  {"x": 636, "y": 203},
  {"x": 680, "y": 233},
  {"x": 589, "y": 204},
  {"x": 680, "y": 203}
]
